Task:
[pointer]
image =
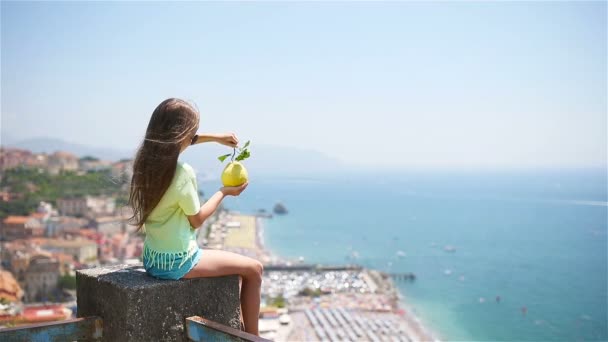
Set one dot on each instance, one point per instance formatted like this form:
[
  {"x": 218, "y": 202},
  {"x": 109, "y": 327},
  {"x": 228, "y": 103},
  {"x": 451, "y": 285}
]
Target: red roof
[
  {"x": 38, "y": 215},
  {"x": 45, "y": 313},
  {"x": 16, "y": 219}
]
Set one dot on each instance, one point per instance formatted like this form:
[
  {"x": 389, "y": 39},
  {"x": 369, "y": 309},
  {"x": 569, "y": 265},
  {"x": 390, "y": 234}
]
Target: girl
[{"x": 165, "y": 203}]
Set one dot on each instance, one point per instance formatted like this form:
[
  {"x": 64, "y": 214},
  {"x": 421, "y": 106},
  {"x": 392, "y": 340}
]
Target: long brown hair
[{"x": 173, "y": 122}]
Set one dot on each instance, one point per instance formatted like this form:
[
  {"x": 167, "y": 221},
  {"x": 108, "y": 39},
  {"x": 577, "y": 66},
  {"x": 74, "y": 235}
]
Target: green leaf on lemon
[
  {"x": 222, "y": 158},
  {"x": 243, "y": 155}
]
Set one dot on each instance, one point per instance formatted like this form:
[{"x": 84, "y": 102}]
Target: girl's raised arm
[{"x": 228, "y": 139}]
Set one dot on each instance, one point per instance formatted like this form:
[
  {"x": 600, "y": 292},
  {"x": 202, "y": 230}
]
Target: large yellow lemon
[{"x": 234, "y": 174}]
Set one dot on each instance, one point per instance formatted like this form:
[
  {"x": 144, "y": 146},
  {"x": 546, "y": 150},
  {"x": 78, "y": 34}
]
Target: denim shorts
[{"x": 176, "y": 272}]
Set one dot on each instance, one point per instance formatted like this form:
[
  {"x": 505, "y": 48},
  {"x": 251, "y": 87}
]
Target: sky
[{"x": 386, "y": 85}]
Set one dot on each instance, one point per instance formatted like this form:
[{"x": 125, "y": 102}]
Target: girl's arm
[
  {"x": 228, "y": 139},
  {"x": 211, "y": 205}
]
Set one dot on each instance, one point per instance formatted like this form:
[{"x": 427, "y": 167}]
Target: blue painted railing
[
  {"x": 91, "y": 329},
  {"x": 86, "y": 328},
  {"x": 200, "y": 329}
]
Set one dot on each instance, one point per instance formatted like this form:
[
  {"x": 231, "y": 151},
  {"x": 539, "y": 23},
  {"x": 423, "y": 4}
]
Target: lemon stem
[{"x": 233, "y": 153}]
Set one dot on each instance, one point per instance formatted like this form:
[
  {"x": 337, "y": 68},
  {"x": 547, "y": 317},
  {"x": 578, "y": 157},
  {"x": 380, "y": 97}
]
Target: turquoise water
[{"x": 536, "y": 239}]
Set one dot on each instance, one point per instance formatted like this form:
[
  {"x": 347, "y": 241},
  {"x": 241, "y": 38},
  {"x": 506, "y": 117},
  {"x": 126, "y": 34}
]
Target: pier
[
  {"x": 403, "y": 276},
  {"x": 312, "y": 267}
]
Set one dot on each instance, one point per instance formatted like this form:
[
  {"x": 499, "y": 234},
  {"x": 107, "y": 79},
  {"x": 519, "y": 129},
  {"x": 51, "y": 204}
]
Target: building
[
  {"x": 12, "y": 157},
  {"x": 41, "y": 278},
  {"x": 101, "y": 205},
  {"x": 66, "y": 262},
  {"x": 62, "y": 161},
  {"x": 15, "y": 256},
  {"x": 9, "y": 287},
  {"x": 92, "y": 164},
  {"x": 73, "y": 206},
  {"x": 110, "y": 224},
  {"x": 82, "y": 250},
  {"x": 63, "y": 225},
  {"x": 44, "y": 211},
  {"x": 21, "y": 227},
  {"x": 91, "y": 206}
]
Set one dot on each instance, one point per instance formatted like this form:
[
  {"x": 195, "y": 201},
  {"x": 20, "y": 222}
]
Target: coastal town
[
  {"x": 59, "y": 213},
  {"x": 84, "y": 225}
]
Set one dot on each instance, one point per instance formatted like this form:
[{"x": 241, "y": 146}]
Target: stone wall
[{"x": 135, "y": 306}]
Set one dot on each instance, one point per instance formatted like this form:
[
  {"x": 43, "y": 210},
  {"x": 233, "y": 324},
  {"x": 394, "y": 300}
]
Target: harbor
[{"x": 329, "y": 302}]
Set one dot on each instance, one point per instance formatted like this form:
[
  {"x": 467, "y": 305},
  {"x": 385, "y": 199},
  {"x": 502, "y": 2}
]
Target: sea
[{"x": 518, "y": 255}]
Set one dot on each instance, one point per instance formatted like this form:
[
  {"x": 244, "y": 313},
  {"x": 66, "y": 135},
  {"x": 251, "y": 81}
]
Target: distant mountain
[
  {"x": 50, "y": 145},
  {"x": 265, "y": 159}
]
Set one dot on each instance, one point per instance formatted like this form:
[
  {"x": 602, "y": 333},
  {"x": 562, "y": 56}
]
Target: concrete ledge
[{"x": 135, "y": 306}]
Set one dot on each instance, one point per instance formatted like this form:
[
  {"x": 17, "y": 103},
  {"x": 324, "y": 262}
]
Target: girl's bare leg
[{"x": 216, "y": 263}]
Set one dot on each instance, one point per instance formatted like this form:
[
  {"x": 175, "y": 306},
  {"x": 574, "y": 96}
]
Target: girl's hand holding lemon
[{"x": 233, "y": 190}]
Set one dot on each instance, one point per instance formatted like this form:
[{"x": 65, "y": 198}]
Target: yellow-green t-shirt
[{"x": 168, "y": 231}]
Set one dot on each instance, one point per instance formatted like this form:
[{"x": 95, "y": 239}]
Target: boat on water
[
  {"x": 263, "y": 213},
  {"x": 449, "y": 249},
  {"x": 280, "y": 209},
  {"x": 353, "y": 255}
]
